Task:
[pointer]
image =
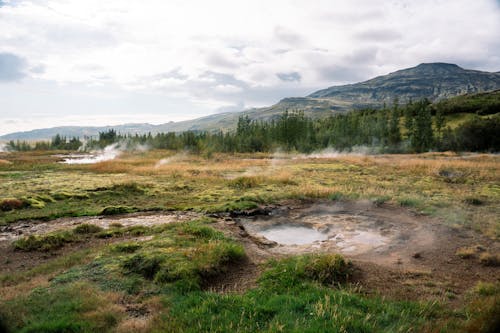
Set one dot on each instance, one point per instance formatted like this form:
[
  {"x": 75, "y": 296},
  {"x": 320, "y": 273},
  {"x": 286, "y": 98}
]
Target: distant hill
[{"x": 435, "y": 81}]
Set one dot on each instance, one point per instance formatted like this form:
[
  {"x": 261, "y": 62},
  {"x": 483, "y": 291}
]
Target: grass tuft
[
  {"x": 49, "y": 242},
  {"x": 87, "y": 229},
  {"x": 114, "y": 210},
  {"x": 489, "y": 259}
]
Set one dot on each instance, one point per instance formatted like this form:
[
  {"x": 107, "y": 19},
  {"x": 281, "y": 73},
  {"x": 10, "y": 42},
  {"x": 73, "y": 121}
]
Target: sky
[{"x": 109, "y": 62}]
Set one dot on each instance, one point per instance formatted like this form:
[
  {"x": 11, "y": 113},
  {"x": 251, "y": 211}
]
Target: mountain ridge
[{"x": 435, "y": 81}]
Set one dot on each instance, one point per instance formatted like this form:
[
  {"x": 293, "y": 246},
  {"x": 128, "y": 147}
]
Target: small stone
[{"x": 417, "y": 255}]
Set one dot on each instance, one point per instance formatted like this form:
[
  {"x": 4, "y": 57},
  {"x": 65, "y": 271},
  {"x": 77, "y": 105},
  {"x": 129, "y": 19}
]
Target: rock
[
  {"x": 262, "y": 241},
  {"x": 417, "y": 255}
]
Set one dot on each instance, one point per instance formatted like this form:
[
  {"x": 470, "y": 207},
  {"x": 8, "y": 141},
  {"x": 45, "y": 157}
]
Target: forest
[{"x": 412, "y": 128}]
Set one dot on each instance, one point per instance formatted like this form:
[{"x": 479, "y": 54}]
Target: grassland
[
  {"x": 465, "y": 191},
  {"x": 155, "y": 278}
]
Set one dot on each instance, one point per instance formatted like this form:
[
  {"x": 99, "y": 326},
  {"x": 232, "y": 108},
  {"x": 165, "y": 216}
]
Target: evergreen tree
[{"x": 394, "y": 136}]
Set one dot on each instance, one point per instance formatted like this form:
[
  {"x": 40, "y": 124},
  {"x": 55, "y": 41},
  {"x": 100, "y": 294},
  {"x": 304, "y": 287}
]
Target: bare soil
[{"x": 416, "y": 261}]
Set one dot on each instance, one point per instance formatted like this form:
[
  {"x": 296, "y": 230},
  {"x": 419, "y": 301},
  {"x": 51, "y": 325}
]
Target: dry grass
[
  {"x": 443, "y": 184},
  {"x": 23, "y": 288},
  {"x": 489, "y": 259},
  {"x": 466, "y": 252}
]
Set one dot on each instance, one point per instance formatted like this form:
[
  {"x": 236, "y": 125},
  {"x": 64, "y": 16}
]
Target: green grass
[
  {"x": 61, "y": 309},
  {"x": 307, "y": 293}
]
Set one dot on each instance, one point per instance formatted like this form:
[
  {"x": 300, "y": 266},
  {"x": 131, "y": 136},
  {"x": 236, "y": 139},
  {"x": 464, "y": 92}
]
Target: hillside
[{"x": 435, "y": 81}]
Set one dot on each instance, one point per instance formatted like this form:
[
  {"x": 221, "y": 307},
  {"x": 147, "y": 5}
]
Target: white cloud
[{"x": 223, "y": 53}]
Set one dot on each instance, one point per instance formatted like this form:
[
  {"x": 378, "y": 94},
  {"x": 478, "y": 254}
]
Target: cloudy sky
[{"x": 99, "y": 62}]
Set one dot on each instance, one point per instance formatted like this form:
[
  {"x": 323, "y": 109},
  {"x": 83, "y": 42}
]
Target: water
[{"x": 292, "y": 235}]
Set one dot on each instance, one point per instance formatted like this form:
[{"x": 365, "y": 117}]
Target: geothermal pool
[
  {"x": 292, "y": 235},
  {"x": 355, "y": 230}
]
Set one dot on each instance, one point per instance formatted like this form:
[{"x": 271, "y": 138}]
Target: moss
[
  {"x": 34, "y": 203},
  {"x": 68, "y": 195}
]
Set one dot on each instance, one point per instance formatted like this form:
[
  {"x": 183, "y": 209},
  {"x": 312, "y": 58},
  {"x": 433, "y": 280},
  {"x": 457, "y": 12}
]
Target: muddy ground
[{"x": 396, "y": 253}]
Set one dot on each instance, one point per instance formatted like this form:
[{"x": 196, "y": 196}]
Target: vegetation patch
[
  {"x": 243, "y": 183},
  {"x": 72, "y": 308},
  {"x": 86, "y": 228},
  {"x": 11, "y": 204},
  {"x": 115, "y": 210},
  {"x": 489, "y": 259},
  {"x": 47, "y": 242}
]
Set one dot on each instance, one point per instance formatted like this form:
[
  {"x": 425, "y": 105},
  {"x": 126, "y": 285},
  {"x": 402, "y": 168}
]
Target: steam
[
  {"x": 333, "y": 153},
  {"x": 168, "y": 160},
  {"x": 3, "y": 148},
  {"x": 108, "y": 153}
]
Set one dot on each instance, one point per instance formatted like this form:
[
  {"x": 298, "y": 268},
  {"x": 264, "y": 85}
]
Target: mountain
[{"x": 435, "y": 81}]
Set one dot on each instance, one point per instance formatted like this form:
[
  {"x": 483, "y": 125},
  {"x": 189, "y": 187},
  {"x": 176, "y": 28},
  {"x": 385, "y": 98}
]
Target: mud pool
[
  {"x": 291, "y": 234},
  {"x": 360, "y": 229}
]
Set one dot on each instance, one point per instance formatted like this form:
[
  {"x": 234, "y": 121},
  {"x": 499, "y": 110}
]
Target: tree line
[{"x": 415, "y": 127}]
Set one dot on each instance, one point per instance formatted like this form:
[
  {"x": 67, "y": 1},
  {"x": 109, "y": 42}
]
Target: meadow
[{"x": 167, "y": 277}]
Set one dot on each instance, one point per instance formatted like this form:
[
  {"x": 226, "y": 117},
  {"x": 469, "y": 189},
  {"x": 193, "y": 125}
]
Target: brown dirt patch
[{"x": 418, "y": 261}]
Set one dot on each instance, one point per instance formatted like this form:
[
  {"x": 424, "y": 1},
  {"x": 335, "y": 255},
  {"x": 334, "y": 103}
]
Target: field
[{"x": 163, "y": 241}]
